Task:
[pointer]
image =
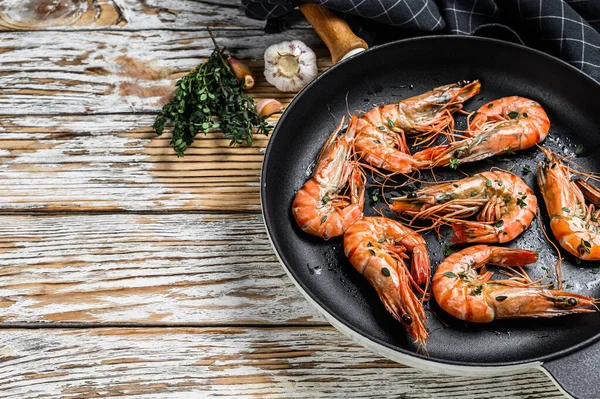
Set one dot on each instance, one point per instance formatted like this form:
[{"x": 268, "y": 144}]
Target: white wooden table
[{"x": 127, "y": 272}]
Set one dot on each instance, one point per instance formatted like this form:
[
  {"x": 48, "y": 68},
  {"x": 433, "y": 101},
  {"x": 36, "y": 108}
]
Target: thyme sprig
[{"x": 207, "y": 98}]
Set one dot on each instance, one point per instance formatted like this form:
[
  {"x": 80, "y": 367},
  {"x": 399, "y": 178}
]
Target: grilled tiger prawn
[
  {"x": 504, "y": 125},
  {"x": 574, "y": 224},
  {"x": 461, "y": 290},
  {"x": 376, "y": 247},
  {"x": 318, "y": 207},
  {"x": 381, "y": 132},
  {"x": 504, "y": 204}
]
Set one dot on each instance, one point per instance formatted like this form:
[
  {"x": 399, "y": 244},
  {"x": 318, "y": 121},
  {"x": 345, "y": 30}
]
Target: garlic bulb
[{"x": 289, "y": 66}]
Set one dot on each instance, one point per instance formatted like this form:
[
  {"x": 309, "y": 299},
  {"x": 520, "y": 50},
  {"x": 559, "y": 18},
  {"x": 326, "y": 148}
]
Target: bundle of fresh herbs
[{"x": 211, "y": 97}]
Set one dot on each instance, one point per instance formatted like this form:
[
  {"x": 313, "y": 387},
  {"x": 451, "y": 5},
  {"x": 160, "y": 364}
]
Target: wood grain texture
[
  {"x": 117, "y": 72},
  {"x": 126, "y": 15},
  {"x": 333, "y": 29},
  {"x": 39, "y": 14},
  {"x": 227, "y": 362},
  {"x": 117, "y": 162},
  {"x": 149, "y": 269}
]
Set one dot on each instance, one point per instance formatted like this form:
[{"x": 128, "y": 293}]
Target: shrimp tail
[
  {"x": 502, "y": 256},
  {"x": 467, "y": 232},
  {"x": 420, "y": 268},
  {"x": 432, "y": 153}
]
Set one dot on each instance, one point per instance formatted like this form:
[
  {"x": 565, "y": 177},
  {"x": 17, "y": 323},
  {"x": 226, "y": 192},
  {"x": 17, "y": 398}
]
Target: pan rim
[{"x": 422, "y": 360}]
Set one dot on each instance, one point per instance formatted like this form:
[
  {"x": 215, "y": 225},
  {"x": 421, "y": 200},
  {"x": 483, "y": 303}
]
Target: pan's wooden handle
[{"x": 333, "y": 30}]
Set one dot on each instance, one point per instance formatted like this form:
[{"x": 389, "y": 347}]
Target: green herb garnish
[
  {"x": 584, "y": 247},
  {"x": 454, "y": 163},
  {"x": 375, "y": 195},
  {"x": 210, "y": 90},
  {"x": 447, "y": 250},
  {"x": 449, "y": 274}
]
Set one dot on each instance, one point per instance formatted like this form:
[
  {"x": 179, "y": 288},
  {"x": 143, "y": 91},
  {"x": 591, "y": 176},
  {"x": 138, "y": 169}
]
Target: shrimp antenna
[
  {"x": 437, "y": 317},
  {"x": 558, "y": 265},
  {"x": 434, "y": 177},
  {"x": 422, "y": 349},
  {"x": 348, "y": 106}
]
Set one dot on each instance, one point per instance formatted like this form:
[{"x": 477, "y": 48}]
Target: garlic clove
[
  {"x": 289, "y": 66},
  {"x": 242, "y": 72},
  {"x": 268, "y": 107}
]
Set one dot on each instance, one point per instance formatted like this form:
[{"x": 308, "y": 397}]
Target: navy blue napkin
[{"x": 568, "y": 29}]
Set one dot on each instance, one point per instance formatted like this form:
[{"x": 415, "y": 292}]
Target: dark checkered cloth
[{"x": 567, "y": 29}]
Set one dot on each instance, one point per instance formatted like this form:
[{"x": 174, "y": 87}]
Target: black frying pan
[{"x": 567, "y": 348}]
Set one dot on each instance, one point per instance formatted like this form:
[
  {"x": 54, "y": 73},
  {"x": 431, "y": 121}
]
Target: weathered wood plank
[
  {"x": 227, "y": 362},
  {"x": 126, "y": 15},
  {"x": 117, "y": 162},
  {"x": 40, "y": 14},
  {"x": 112, "y": 72},
  {"x": 169, "y": 269}
]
